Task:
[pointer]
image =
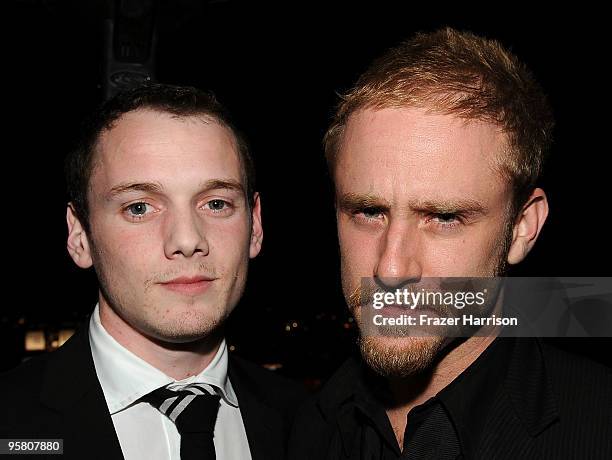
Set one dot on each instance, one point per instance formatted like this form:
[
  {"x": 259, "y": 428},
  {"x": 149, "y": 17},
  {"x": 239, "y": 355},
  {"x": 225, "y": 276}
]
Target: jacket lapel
[
  {"x": 71, "y": 388},
  {"x": 507, "y": 402},
  {"x": 263, "y": 424}
]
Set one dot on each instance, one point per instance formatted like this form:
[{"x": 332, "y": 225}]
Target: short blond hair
[{"x": 460, "y": 74}]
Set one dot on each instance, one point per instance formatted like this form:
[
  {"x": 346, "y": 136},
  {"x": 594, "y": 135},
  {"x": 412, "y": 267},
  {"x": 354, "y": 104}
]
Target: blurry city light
[{"x": 35, "y": 341}]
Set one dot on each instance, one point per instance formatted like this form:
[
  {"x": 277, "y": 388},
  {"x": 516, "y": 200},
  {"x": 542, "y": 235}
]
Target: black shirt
[
  {"x": 502, "y": 406},
  {"x": 432, "y": 427}
]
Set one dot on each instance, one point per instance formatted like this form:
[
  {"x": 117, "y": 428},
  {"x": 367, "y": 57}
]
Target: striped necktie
[{"x": 193, "y": 409}]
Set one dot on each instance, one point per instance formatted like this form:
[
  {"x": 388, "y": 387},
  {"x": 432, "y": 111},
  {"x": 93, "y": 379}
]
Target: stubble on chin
[
  {"x": 392, "y": 356},
  {"x": 189, "y": 327},
  {"x": 399, "y": 356}
]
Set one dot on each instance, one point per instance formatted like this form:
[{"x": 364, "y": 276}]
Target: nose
[
  {"x": 399, "y": 260},
  {"x": 185, "y": 235}
]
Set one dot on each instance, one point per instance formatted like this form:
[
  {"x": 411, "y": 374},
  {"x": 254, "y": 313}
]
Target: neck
[
  {"x": 413, "y": 391},
  {"x": 176, "y": 360}
]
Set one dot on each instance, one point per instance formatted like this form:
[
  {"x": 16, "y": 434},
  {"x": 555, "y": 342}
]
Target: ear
[
  {"x": 78, "y": 243},
  {"x": 256, "y": 228},
  {"x": 528, "y": 225}
]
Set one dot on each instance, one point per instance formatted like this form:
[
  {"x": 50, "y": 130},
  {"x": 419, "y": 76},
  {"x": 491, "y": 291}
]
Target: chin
[
  {"x": 400, "y": 356},
  {"x": 185, "y": 326}
]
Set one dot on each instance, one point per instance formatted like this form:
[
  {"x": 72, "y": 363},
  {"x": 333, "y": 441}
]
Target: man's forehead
[
  {"x": 147, "y": 130},
  {"x": 410, "y": 155},
  {"x": 143, "y": 145},
  {"x": 420, "y": 133}
]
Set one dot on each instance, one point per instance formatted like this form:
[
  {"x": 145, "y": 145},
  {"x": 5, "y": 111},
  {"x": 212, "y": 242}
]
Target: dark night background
[{"x": 278, "y": 69}]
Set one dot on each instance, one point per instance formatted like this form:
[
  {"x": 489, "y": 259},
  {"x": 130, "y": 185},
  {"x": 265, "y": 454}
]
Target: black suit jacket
[
  {"x": 524, "y": 400},
  {"x": 58, "y": 395}
]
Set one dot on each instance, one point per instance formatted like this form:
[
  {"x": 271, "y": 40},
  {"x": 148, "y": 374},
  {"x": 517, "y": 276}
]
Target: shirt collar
[{"x": 125, "y": 377}]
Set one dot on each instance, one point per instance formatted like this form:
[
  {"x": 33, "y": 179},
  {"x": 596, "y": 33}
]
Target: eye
[
  {"x": 368, "y": 217},
  {"x": 371, "y": 213},
  {"x": 217, "y": 205},
  {"x": 138, "y": 210},
  {"x": 446, "y": 220}
]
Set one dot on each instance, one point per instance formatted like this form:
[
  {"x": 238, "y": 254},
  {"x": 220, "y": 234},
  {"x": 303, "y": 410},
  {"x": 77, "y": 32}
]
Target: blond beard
[{"x": 401, "y": 356}]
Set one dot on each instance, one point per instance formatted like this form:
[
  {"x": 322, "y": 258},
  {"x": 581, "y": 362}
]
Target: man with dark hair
[
  {"x": 162, "y": 205},
  {"x": 435, "y": 155}
]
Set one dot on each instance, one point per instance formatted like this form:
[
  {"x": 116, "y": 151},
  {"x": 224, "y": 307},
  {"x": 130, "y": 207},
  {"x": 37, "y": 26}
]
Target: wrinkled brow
[
  {"x": 450, "y": 206},
  {"x": 356, "y": 201}
]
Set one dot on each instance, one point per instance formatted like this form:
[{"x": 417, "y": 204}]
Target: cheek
[
  {"x": 127, "y": 252},
  {"x": 234, "y": 229},
  {"x": 472, "y": 254},
  {"x": 229, "y": 244}
]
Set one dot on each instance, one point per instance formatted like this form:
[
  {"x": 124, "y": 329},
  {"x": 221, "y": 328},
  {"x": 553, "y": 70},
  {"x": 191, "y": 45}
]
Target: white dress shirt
[{"x": 145, "y": 433}]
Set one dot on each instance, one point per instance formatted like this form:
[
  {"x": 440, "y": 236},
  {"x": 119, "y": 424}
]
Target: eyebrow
[
  {"x": 450, "y": 206},
  {"x": 157, "y": 188},
  {"x": 355, "y": 201}
]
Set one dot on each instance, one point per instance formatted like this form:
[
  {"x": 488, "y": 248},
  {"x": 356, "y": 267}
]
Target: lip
[{"x": 189, "y": 285}]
